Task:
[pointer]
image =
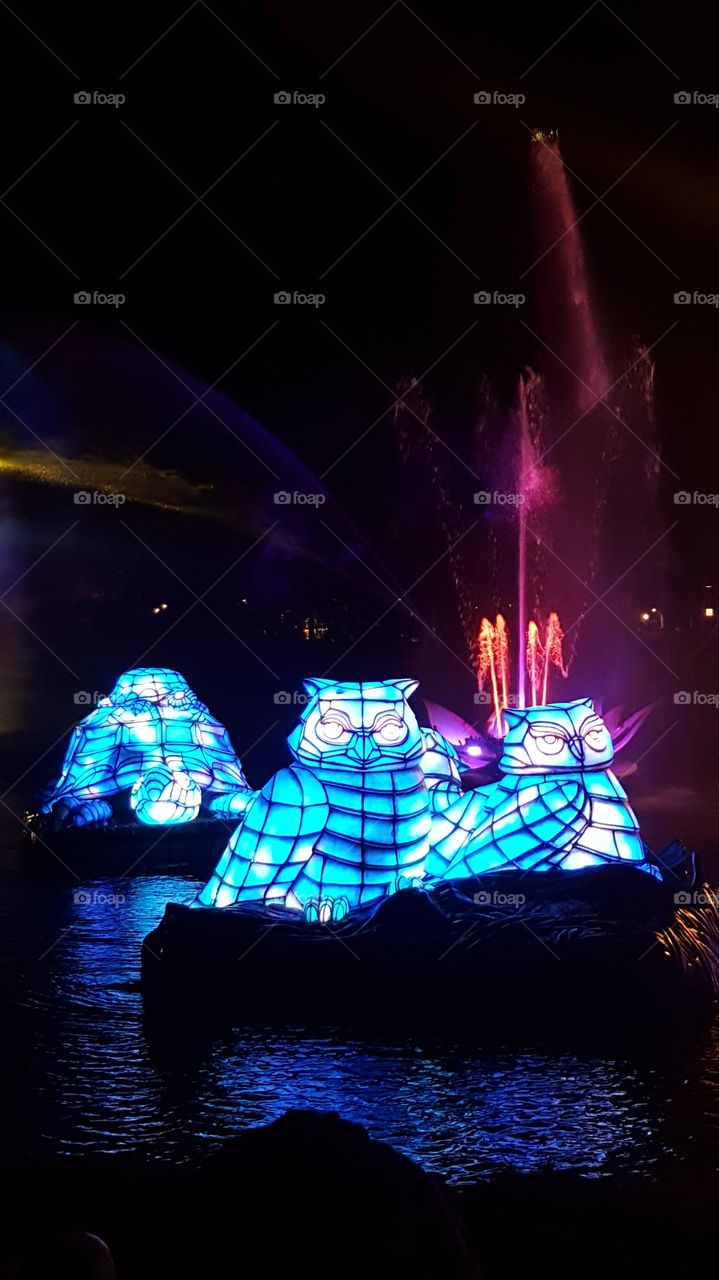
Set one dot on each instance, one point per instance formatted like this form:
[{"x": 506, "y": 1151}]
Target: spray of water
[
  {"x": 535, "y": 660},
  {"x": 558, "y": 449}
]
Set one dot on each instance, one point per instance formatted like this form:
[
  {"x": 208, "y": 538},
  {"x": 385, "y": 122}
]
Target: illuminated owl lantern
[
  {"x": 345, "y": 824},
  {"x": 153, "y": 742},
  {"x": 558, "y": 804}
]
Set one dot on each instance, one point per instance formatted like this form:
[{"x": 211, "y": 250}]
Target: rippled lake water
[{"x": 88, "y": 1076}]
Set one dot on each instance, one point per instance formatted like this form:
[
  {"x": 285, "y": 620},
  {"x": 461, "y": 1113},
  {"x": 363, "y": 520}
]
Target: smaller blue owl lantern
[{"x": 558, "y": 804}]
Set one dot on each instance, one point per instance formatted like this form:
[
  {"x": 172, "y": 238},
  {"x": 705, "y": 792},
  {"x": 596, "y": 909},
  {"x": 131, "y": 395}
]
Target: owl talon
[
  {"x": 409, "y": 882},
  {"x": 326, "y": 910}
]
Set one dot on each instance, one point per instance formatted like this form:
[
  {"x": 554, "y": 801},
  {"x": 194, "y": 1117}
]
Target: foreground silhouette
[{"x": 309, "y": 1192}]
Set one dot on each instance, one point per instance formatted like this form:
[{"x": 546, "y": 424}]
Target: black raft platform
[
  {"x": 121, "y": 847},
  {"x": 611, "y": 940}
]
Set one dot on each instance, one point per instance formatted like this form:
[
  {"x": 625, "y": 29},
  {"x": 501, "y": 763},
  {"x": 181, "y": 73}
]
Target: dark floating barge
[
  {"x": 124, "y": 847},
  {"x": 610, "y": 942}
]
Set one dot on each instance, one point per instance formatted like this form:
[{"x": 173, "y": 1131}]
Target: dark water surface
[{"x": 86, "y": 1076}]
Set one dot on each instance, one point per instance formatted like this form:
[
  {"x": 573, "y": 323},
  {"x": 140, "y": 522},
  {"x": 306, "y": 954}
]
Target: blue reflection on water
[{"x": 95, "y": 1083}]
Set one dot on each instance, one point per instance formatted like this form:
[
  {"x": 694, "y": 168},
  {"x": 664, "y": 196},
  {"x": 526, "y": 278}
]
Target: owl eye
[
  {"x": 332, "y": 730},
  {"x": 595, "y": 738},
  {"x": 550, "y": 743},
  {"x": 391, "y": 731}
]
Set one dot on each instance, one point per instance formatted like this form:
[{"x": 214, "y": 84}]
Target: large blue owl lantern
[
  {"x": 150, "y": 749},
  {"x": 348, "y": 821}
]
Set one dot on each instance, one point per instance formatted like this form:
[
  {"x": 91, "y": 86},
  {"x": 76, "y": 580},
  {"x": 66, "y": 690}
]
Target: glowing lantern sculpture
[
  {"x": 153, "y": 742},
  {"x": 558, "y": 804},
  {"x": 348, "y": 821},
  {"x": 372, "y": 804},
  {"x": 165, "y": 796}
]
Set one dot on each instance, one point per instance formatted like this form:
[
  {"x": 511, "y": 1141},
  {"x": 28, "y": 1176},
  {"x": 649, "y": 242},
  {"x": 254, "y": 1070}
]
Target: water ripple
[{"x": 90, "y": 1079}]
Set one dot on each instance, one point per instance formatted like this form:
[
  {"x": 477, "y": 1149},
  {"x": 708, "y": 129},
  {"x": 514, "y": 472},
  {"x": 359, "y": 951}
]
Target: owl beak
[
  {"x": 363, "y": 749},
  {"x": 576, "y": 746}
]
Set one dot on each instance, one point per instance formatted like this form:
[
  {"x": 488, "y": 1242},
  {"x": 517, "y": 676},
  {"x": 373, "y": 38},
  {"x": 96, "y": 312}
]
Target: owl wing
[
  {"x": 276, "y": 837},
  {"x": 529, "y": 828},
  {"x": 440, "y": 762},
  {"x": 456, "y": 816}
]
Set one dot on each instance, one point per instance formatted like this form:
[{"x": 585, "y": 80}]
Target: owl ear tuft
[
  {"x": 408, "y": 687},
  {"x": 315, "y": 684},
  {"x": 589, "y": 702},
  {"x": 512, "y": 717}
]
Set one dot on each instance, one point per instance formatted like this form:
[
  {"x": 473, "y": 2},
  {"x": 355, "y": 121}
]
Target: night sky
[
  {"x": 199, "y": 197},
  {"x": 302, "y": 187}
]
